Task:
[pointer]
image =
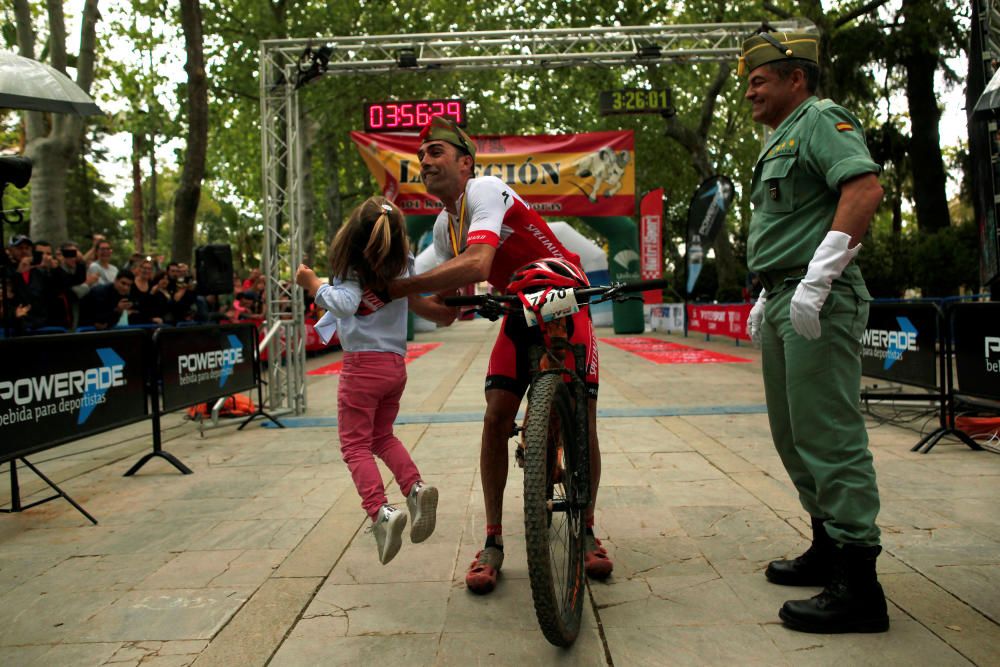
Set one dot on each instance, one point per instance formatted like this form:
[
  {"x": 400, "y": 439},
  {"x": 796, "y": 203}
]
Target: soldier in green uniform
[{"x": 815, "y": 189}]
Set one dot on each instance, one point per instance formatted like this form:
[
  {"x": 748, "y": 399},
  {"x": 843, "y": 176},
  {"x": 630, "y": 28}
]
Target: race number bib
[{"x": 555, "y": 303}]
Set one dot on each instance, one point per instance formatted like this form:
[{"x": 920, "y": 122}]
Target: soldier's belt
[{"x": 773, "y": 279}]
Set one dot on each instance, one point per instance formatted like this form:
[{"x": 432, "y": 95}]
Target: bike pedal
[{"x": 519, "y": 456}]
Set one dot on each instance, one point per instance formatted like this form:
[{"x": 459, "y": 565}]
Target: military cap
[
  {"x": 445, "y": 129},
  {"x": 767, "y": 47}
]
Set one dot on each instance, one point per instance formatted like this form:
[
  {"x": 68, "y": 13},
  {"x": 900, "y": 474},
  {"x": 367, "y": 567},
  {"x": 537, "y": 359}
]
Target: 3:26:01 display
[{"x": 406, "y": 115}]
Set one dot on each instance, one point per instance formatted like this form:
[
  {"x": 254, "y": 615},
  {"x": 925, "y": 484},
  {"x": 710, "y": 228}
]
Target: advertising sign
[
  {"x": 899, "y": 343},
  {"x": 651, "y": 241},
  {"x": 720, "y": 319},
  {"x": 976, "y": 328},
  {"x": 54, "y": 389},
  {"x": 706, "y": 216},
  {"x": 589, "y": 174},
  {"x": 201, "y": 364},
  {"x": 667, "y": 317}
]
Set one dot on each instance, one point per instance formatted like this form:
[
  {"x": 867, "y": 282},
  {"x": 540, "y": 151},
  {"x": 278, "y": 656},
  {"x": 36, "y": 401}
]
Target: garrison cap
[
  {"x": 445, "y": 129},
  {"x": 767, "y": 47}
]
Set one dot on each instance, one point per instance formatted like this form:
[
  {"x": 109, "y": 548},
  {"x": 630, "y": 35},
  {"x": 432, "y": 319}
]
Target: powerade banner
[
  {"x": 54, "y": 389},
  {"x": 900, "y": 343},
  {"x": 976, "y": 328},
  {"x": 590, "y": 174},
  {"x": 720, "y": 319},
  {"x": 651, "y": 241},
  {"x": 706, "y": 216},
  {"x": 202, "y": 364}
]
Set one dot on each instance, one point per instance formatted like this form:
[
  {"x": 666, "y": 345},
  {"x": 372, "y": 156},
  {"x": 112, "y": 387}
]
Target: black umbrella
[{"x": 33, "y": 86}]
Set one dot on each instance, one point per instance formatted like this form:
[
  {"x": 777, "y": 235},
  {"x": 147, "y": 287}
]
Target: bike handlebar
[{"x": 583, "y": 295}]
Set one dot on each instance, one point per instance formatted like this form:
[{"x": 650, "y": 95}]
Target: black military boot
[
  {"x": 853, "y": 601},
  {"x": 813, "y": 568}
]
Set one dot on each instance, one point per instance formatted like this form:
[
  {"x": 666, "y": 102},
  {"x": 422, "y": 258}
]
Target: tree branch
[
  {"x": 708, "y": 106},
  {"x": 860, "y": 11},
  {"x": 34, "y": 121},
  {"x": 777, "y": 11}
]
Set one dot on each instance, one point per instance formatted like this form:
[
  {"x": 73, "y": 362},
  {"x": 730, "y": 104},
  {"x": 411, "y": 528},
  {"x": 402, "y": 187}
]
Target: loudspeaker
[{"x": 214, "y": 268}]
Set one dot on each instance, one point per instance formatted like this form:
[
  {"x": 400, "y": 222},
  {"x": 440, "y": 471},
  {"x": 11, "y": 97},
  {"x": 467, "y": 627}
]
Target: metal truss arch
[{"x": 288, "y": 64}]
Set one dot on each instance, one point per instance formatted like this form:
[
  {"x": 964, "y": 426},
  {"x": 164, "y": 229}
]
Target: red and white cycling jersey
[{"x": 492, "y": 213}]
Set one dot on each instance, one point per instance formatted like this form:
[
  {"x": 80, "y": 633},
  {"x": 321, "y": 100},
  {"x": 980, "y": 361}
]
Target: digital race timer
[{"x": 410, "y": 114}]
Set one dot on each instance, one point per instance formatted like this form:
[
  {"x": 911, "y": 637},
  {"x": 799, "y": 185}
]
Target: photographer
[
  {"x": 181, "y": 294},
  {"x": 108, "y": 305},
  {"x": 71, "y": 280}
]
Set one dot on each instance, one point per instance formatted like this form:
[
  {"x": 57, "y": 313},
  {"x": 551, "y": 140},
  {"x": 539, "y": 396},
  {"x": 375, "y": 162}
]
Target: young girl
[{"x": 368, "y": 252}]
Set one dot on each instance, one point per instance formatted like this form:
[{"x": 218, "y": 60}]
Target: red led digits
[{"x": 406, "y": 115}]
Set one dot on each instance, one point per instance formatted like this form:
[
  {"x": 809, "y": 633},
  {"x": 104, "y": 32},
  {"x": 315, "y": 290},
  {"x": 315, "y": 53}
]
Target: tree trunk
[
  {"x": 331, "y": 194},
  {"x": 53, "y": 141},
  {"x": 930, "y": 201},
  {"x": 138, "y": 221},
  {"x": 189, "y": 188},
  {"x": 153, "y": 213}
]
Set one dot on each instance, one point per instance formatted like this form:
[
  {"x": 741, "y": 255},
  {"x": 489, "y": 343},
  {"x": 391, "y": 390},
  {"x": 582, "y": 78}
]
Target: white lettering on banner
[
  {"x": 713, "y": 315},
  {"x": 62, "y": 385},
  {"x": 992, "y": 344},
  {"x": 201, "y": 361},
  {"x": 897, "y": 340}
]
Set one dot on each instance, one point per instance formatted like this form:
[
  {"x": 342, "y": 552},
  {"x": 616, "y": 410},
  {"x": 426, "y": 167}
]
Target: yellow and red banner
[{"x": 590, "y": 174}]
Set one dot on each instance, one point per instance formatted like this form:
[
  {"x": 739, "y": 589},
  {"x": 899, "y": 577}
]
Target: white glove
[
  {"x": 831, "y": 258},
  {"x": 756, "y": 318}
]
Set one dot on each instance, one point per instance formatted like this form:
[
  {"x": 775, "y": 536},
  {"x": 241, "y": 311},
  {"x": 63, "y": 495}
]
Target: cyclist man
[{"x": 485, "y": 232}]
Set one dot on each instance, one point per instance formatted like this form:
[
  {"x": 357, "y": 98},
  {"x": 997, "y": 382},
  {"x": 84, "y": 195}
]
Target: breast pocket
[{"x": 778, "y": 182}]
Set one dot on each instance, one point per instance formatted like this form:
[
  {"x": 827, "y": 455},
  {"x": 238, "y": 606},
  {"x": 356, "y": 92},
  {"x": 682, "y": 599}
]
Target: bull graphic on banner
[
  {"x": 588, "y": 174},
  {"x": 607, "y": 168}
]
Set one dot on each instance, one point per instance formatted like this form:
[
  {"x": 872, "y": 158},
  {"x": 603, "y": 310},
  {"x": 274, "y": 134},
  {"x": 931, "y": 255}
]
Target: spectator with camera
[
  {"x": 106, "y": 306},
  {"x": 71, "y": 280},
  {"x": 180, "y": 292}
]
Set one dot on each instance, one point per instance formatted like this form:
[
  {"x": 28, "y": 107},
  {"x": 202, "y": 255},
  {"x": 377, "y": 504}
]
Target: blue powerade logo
[{"x": 890, "y": 346}]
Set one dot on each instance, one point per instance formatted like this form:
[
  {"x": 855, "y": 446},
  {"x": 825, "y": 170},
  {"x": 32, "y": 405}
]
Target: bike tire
[{"x": 554, "y": 539}]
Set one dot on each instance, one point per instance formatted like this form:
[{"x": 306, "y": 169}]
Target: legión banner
[
  {"x": 591, "y": 173},
  {"x": 201, "y": 364},
  {"x": 54, "y": 389},
  {"x": 900, "y": 343},
  {"x": 976, "y": 327}
]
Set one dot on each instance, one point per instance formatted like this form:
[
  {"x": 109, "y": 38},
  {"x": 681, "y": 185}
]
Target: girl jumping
[{"x": 368, "y": 252}]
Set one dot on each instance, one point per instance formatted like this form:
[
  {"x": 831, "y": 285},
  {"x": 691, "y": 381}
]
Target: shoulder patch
[{"x": 844, "y": 126}]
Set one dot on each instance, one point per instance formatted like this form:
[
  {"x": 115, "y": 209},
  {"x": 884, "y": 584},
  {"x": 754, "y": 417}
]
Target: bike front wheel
[{"x": 553, "y": 520}]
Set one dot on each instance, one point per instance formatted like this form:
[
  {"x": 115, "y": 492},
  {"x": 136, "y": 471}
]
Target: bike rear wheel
[{"x": 553, "y": 521}]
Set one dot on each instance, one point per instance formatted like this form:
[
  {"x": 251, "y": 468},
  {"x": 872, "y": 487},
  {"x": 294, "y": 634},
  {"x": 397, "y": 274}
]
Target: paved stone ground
[{"x": 260, "y": 557}]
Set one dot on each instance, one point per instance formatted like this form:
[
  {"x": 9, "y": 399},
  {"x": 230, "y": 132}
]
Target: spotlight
[
  {"x": 406, "y": 58},
  {"x": 648, "y": 50}
]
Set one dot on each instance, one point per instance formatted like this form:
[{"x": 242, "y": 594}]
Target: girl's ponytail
[{"x": 380, "y": 240}]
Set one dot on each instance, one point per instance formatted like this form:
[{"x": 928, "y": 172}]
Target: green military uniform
[{"x": 812, "y": 386}]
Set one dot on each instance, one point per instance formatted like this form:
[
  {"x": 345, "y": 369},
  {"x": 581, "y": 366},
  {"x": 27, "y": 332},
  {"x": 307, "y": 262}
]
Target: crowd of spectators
[{"x": 51, "y": 289}]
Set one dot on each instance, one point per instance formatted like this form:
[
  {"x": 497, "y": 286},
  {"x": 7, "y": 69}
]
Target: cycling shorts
[{"x": 510, "y": 361}]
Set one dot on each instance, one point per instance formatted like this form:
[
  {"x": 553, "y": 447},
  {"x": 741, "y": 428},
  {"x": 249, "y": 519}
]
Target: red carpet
[
  {"x": 413, "y": 350},
  {"x": 662, "y": 352}
]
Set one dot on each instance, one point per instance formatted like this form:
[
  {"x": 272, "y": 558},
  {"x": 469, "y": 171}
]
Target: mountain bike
[{"x": 554, "y": 446}]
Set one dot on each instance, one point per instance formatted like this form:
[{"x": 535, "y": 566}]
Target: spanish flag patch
[{"x": 844, "y": 126}]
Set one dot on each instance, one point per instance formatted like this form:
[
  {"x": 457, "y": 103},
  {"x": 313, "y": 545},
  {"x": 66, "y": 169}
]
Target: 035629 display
[{"x": 401, "y": 115}]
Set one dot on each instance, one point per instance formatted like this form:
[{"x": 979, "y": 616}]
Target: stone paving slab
[{"x": 260, "y": 557}]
